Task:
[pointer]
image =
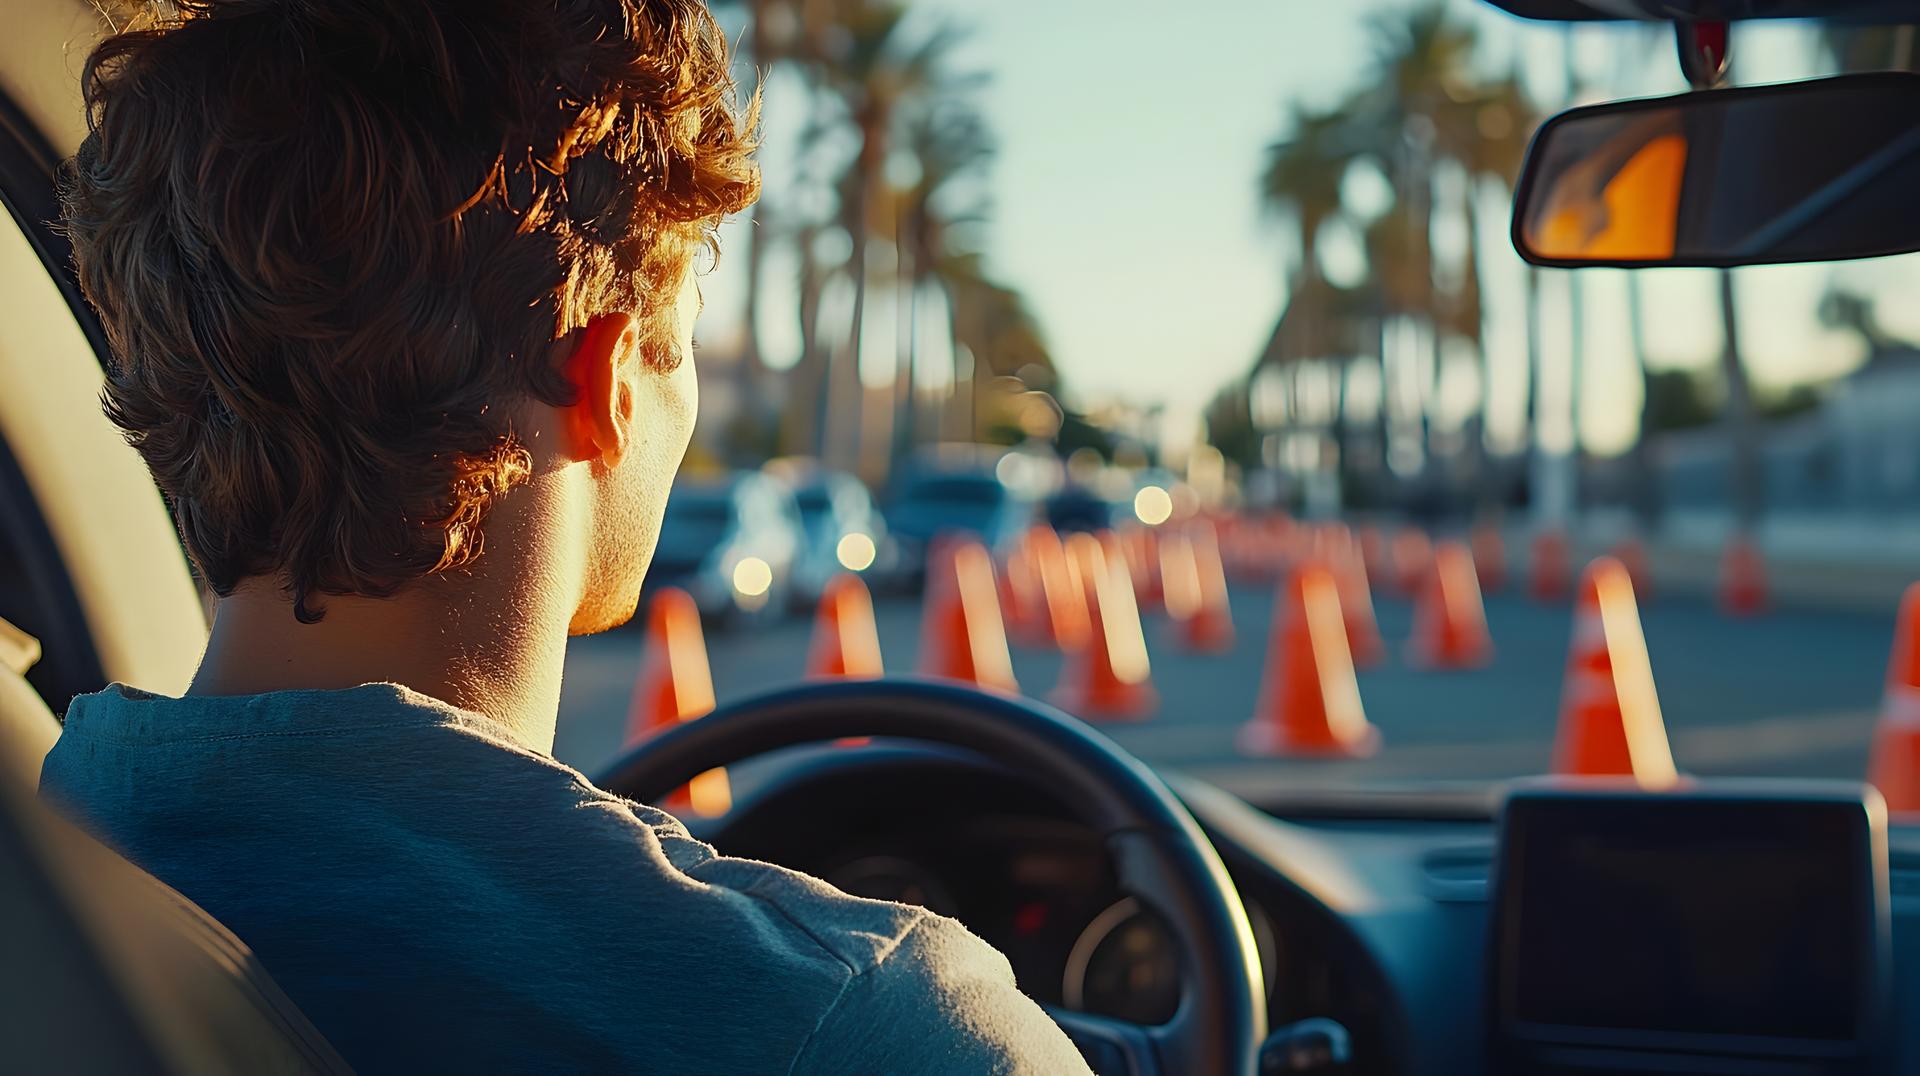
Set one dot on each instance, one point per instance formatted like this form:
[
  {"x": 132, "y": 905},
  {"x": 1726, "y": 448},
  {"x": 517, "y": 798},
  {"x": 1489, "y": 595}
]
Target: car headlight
[
  {"x": 1153, "y": 505},
  {"x": 752, "y": 577},
  {"x": 855, "y": 551}
]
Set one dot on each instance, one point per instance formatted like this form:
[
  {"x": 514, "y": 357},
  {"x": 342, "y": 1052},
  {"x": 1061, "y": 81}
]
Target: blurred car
[
  {"x": 1074, "y": 507},
  {"x": 843, "y": 530},
  {"x": 733, "y": 543},
  {"x": 948, "y": 498}
]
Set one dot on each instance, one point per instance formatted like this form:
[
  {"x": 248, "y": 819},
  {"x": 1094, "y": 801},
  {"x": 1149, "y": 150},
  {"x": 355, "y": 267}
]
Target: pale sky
[{"x": 1126, "y": 208}]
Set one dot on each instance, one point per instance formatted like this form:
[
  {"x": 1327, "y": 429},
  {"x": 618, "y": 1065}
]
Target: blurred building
[{"x": 1854, "y": 457}]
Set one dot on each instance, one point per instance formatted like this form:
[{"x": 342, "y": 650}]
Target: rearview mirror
[{"x": 1802, "y": 172}]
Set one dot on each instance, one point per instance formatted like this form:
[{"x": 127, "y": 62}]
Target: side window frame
[{"x": 70, "y": 663}]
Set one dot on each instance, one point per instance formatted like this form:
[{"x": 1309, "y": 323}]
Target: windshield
[
  {"x": 816, "y": 507},
  {"x": 1282, "y": 300}
]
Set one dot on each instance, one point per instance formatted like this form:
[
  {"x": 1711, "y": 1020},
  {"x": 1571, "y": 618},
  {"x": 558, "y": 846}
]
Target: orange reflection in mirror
[{"x": 1634, "y": 216}]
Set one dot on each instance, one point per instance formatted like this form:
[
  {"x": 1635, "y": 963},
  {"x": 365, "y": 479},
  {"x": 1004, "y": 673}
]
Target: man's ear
[{"x": 598, "y": 419}]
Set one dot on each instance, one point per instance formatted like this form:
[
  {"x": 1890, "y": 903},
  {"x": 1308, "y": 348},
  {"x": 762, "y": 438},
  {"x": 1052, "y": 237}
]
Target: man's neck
[{"x": 491, "y": 640}]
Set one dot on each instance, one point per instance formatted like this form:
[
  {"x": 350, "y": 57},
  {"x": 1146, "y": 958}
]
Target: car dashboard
[{"x": 1382, "y": 923}]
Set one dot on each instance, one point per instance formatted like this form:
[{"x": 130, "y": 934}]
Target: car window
[
  {"x": 108, "y": 583},
  {"x": 965, "y": 491}
]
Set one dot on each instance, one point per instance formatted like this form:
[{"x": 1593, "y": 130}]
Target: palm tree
[
  {"x": 1303, "y": 180},
  {"x": 992, "y": 324},
  {"x": 876, "y": 68},
  {"x": 1421, "y": 110},
  {"x": 1487, "y": 133},
  {"x": 1746, "y": 482},
  {"x": 1647, "y": 501},
  {"x": 778, "y": 33},
  {"x": 936, "y": 215},
  {"x": 803, "y": 429},
  {"x": 1304, "y": 174}
]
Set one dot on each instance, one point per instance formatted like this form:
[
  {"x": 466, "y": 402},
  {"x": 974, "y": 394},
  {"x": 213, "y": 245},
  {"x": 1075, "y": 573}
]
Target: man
[{"x": 402, "y": 304}]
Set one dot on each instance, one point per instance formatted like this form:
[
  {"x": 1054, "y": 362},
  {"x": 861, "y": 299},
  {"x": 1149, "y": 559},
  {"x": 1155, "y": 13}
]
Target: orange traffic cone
[
  {"x": 1194, "y": 588},
  {"x": 846, "y": 643},
  {"x": 1743, "y": 578},
  {"x": 1108, "y": 676},
  {"x": 1412, "y": 561},
  {"x": 1610, "y": 723},
  {"x": 1240, "y": 543},
  {"x": 1547, "y": 574},
  {"x": 1450, "y": 620},
  {"x": 1179, "y": 577},
  {"x": 1334, "y": 547},
  {"x": 1065, "y": 620},
  {"x": 1309, "y": 700},
  {"x": 1142, "y": 547},
  {"x": 1356, "y": 606},
  {"x": 1490, "y": 558},
  {"x": 1373, "y": 553},
  {"x": 1895, "y": 765},
  {"x": 961, "y": 634},
  {"x": 1232, "y": 533},
  {"x": 675, "y": 685},
  {"x": 1023, "y": 597},
  {"x": 1632, "y": 555}
]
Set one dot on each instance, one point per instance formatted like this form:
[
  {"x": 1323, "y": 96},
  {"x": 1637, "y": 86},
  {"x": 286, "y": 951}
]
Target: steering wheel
[{"x": 1160, "y": 856}]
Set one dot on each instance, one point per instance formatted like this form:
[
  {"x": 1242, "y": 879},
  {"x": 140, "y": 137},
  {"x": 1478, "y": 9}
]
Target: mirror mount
[{"x": 1704, "y": 52}]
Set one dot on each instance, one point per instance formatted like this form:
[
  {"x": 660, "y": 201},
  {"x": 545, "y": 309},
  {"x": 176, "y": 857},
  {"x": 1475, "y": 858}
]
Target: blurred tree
[
  {"x": 1487, "y": 132},
  {"x": 1230, "y": 427},
  {"x": 938, "y": 221},
  {"x": 994, "y": 327},
  {"x": 878, "y": 66},
  {"x": 1852, "y": 312},
  {"x": 1077, "y": 433},
  {"x": 1437, "y": 129},
  {"x": 1789, "y": 402},
  {"x": 1681, "y": 400},
  {"x": 1303, "y": 180},
  {"x": 1417, "y": 109},
  {"x": 1748, "y": 493}
]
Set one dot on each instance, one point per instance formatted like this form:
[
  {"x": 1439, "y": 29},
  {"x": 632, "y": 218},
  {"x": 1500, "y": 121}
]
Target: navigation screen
[{"x": 1749, "y": 918}]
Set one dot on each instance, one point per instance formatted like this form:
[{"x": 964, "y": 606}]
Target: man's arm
[{"x": 941, "y": 1002}]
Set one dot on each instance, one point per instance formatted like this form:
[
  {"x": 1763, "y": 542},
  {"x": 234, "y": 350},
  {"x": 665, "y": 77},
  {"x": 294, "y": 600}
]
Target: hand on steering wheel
[{"x": 1160, "y": 856}]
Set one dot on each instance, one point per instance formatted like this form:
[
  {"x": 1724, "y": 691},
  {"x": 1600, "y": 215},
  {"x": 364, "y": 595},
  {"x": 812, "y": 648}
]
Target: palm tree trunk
[
  {"x": 910, "y": 420},
  {"x": 1483, "y": 484},
  {"x": 1343, "y": 469},
  {"x": 1536, "y": 463},
  {"x": 806, "y": 399},
  {"x": 842, "y": 425},
  {"x": 906, "y": 401},
  {"x": 1384, "y": 483},
  {"x": 1748, "y": 492},
  {"x": 750, "y": 351},
  {"x": 1576, "y": 363},
  {"x": 846, "y": 416},
  {"x": 956, "y": 415},
  {"x": 1646, "y": 482}
]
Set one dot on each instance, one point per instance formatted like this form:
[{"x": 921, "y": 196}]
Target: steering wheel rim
[{"x": 1160, "y": 855}]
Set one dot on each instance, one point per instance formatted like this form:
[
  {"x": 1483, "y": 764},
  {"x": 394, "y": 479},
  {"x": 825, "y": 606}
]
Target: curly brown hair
[{"x": 332, "y": 241}]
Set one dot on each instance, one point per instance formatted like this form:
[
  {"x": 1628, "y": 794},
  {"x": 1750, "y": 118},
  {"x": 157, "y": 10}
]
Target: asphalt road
[{"x": 1790, "y": 693}]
